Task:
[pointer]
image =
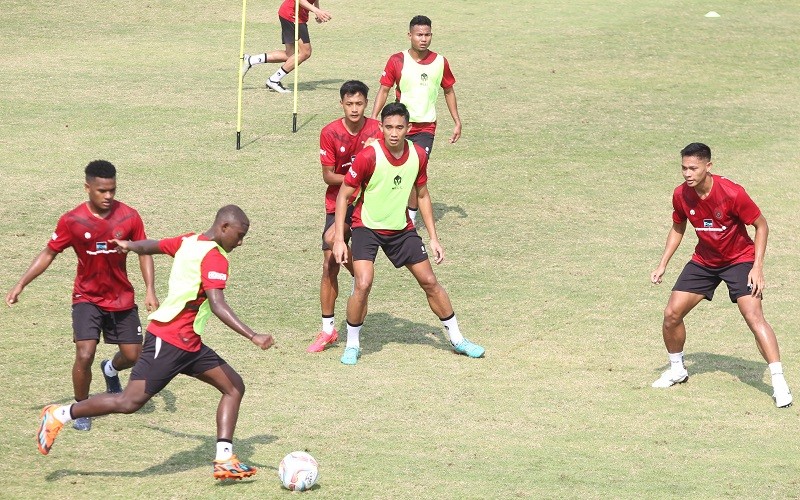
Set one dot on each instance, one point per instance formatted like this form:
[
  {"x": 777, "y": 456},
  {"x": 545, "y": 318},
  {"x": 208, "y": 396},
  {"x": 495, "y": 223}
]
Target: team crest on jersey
[
  {"x": 708, "y": 223},
  {"x": 118, "y": 233},
  {"x": 398, "y": 181},
  {"x": 423, "y": 79},
  {"x": 691, "y": 212},
  {"x": 718, "y": 214}
]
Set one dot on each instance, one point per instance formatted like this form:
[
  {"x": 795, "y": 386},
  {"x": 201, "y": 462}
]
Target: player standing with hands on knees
[
  {"x": 173, "y": 345},
  {"x": 718, "y": 210},
  {"x": 387, "y": 172},
  {"x": 102, "y": 296}
]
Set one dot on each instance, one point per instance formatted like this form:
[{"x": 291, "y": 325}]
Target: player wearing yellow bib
[
  {"x": 417, "y": 75},
  {"x": 387, "y": 172}
]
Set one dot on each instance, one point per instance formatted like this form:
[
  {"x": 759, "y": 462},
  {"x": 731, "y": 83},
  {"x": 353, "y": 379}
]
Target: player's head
[
  {"x": 419, "y": 32},
  {"x": 394, "y": 122},
  {"x": 354, "y": 100},
  {"x": 100, "y": 185},
  {"x": 230, "y": 227},
  {"x": 695, "y": 163}
]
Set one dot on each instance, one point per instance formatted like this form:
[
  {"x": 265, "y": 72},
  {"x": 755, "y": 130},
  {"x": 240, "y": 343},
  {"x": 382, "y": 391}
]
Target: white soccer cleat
[
  {"x": 246, "y": 65},
  {"x": 782, "y": 395},
  {"x": 670, "y": 378},
  {"x": 277, "y": 87}
]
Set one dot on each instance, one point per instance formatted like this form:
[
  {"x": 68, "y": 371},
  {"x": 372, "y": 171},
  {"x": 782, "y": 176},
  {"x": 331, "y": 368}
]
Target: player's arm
[
  {"x": 452, "y": 106},
  {"x": 330, "y": 177},
  {"x": 756, "y": 276},
  {"x": 674, "y": 239},
  {"x": 149, "y": 276},
  {"x": 380, "y": 101},
  {"x": 221, "y": 309},
  {"x": 37, "y": 267},
  {"x": 141, "y": 247},
  {"x": 322, "y": 16},
  {"x": 426, "y": 209},
  {"x": 339, "y": 246}
]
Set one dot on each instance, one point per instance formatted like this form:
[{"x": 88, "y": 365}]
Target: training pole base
[
  {"x": 294, "y": 122},
  {"x": 238, "y": 141}
]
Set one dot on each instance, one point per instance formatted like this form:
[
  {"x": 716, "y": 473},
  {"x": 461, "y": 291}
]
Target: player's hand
[
  {"x": 13, "y": 295},
  {"x": 438, "y": 251},
  {"x": 657, "y": 275},
  {"x": 340, "y": 251},
  {"x": 323, "y": 16},
  {"x": 456, "y": 134},
  {"x": 122, "y": 245},
  {"x": 151, "y": 301},
  {"x": 264, "y": 341},
  {"x": 755, "y": 282}
]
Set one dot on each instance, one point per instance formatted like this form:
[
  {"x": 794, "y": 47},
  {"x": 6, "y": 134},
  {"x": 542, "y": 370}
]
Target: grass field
[{"x": 553, "y": 209}]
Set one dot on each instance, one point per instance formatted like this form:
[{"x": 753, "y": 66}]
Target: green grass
[{"x": 553, "y": 209}]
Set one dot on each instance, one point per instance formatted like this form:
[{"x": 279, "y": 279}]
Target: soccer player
[
  {"x": 286, "y": 17},
  {"x": 102, "y": 296},
  {"x": 339, "y": 141},
  {"x": 718, "y": 210},
  {"x": 173, "y": 345},
  {"x": 417, "y": 74},
  {"x": 387, "y": 172}
]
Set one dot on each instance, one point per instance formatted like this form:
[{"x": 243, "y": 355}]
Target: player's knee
[
  {"x": 362, "y": 285},
  {"x": 672, "y": 317},
  {"x": 330, "y": 267},
  {"x": 304, "y": 52},
  {"x": 128, "y": 405},
  {"x": 84, "y": 357},
  {"x": 430, "y": 284}
]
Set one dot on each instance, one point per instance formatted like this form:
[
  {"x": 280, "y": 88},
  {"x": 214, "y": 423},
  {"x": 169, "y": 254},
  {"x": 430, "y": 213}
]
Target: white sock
[
  {"x": 451, "y": 325},
  {"x": 224, "y": 450},
  {"x": 257, "y": 59},
  {"x": 327, "y": 324},
  {"x": 62, "y": 414},
  {"x": 278, "y": 75},
  {"x": 676, "y": 361},
  {"x": 109, "y": 369},
  {"x": 353, "y": 334},
  {"x": 412, "y": 214},
  {"x": 776, "y": 370}
]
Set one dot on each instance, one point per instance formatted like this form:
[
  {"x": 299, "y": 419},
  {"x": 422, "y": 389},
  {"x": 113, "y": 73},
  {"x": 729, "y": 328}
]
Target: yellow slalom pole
[
  {"x": 296, "y": 62},
  {"x": 241, "y": 63}
]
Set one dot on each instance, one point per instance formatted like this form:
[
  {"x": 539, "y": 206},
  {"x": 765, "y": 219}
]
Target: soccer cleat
[
  {"x": 113, "y": 385},
  {"x": 470, "y": 349},
  {"x": 246, "y": 65},
  {"x": 277, "y": 87},
  {"x": 323, "y": 340},
  {"x": 670, "y": 378},
  {"x": 232, "y": 468},
  {"x": 782, "y": 396},
  {"x": 49, "y": 427},
  {"x": 351, "y": 355},
  {"x": 82, "y": 424}
]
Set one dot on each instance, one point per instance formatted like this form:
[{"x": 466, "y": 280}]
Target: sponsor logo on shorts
[
  {"x": 422, "y": 247},
  {"x": 213, "y": 275}
]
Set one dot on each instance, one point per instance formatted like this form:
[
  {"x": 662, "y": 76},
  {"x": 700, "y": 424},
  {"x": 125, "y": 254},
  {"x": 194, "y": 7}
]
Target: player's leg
[
  {"x": 303, "y": 53},
  {"x": 328, "y": 290},
  {"x": 125, "y": 331},
  {"x": 364, "y": 248},
  {"x": 425, "y": 141},
  {"x": 87, "y": 324}
]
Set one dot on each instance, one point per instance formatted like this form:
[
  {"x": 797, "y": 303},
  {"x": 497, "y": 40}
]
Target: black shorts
[
  {"x": 402, "y": 249},
  {"x": 161, "y": 361},
  {"x": 118, "y": 327},
  {"x": 287, "y": 32},
  {"x": 330, "y": 219},
  {"x": 423, "y": 140},
  {"x": 704, "y": 280}
]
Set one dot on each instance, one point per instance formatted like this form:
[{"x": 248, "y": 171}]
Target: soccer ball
[{"x": 298, "y": 471}]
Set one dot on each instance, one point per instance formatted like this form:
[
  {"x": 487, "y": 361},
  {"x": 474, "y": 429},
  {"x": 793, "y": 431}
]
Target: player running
[
  {"x": 387, "y": 172},
  {"x": 339, "y": 141},
  {"x": 173, "y": 345},
  {"x": 718, "y": 210}
]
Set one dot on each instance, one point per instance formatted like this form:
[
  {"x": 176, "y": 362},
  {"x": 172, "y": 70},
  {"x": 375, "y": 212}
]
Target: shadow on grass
[
  {"x": 381, "y": 329},
  {"x": 182, "y": 461},
  {"x": 442, "y": 209},
  {"x": 748, "y": 372}
]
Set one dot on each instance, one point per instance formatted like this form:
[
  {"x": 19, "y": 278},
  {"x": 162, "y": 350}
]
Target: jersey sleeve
[
  {"x": 327, "y": 148},
  {"x": 362, "y": 168},
  {"x": 422, "y": 175},
  {"x": 391, "y": 73},
  {"x": 214, "y": 270},
  {"x": 448, "y": 80},
  {"x": 137, "y": 229},
  {"x": 746, "y": 208},
  {"x": 61, "y": 238},
  {"x": 678, "y": 216},
  {"x": 170, "y": 246}
]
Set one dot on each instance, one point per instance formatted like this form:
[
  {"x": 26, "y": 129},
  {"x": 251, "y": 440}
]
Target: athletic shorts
[
  {"x": 330, "y": 219},
  {"x": 402, "y": 249},
  {"x": 423, "y": 140},
  {"x": 704, "y": 280},
  {"x": 161, "y": 361},
  {"x": 287, "y": 32},
  {"x": 118, "y": 327}
]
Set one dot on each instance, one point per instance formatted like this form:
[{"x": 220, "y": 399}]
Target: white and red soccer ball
[{"x": 298, "y": 471}]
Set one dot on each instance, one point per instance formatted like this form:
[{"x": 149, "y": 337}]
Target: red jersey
[
  {"x": 214, "y": 275},
  {"x": 286, "y": 11},
  {"x": 102, "y": 275},
  {"x": 391, "y": 77},
  {"x": 338, "y": 148},
  {"x": 363, "y": 167},
  {"x": 719, "y": 221}
]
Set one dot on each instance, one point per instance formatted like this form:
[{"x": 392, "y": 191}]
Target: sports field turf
[{"x": 553, "y": 209}]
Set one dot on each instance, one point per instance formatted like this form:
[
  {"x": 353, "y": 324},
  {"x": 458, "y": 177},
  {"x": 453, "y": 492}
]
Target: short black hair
[
  {"x": 352, "y": 87},
  {"x": 231, "y": 213},
  {"x": 100, "y": 168},
  {"x": 419, "y": 21},
  {"x": 395, "y": 109},
  {"x": 697, "y": 149}
]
